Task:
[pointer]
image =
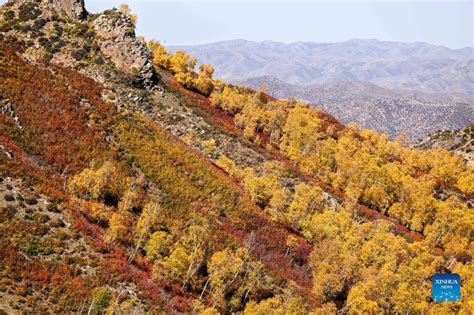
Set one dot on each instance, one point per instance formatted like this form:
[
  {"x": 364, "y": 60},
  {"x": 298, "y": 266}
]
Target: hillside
[
  {"x": 129, "y": 183},
  {"x": 390, "y": 111},
  {"x": 394, "y": 65},
  {"x": 459, "y": 141}
]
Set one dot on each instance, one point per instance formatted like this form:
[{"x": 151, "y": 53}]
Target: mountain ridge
[
  {"x": 391, "y": 111},
  {"x": 464, "y": 51},
  {"x": 389, "y": 64}
]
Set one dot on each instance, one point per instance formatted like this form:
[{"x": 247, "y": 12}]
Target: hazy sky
[{"x": 444, "y": 22}]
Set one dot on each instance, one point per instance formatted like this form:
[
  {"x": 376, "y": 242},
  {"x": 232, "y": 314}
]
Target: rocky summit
[
  {"x": 107, "y": 38},
  {"x": 125, "y": 50}
]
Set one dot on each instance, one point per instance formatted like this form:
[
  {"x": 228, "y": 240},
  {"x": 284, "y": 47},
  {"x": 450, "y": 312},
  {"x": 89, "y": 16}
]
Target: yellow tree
[
  {"x": 90, "y": 184},
  {"x": 195, "y": 241},
  {"x": 466, "y": 181},
  {"x": 453, "y": 223},
  {"x": 106, "y": 182},
  {"x": 270, "y": 306},
  {"x": 321, "y": 162},
  {"x": 334, "y": 268},
  {"x": 252, "y": 118},
  {"x": 261, "y": 188},
  {"x": 279, "y": 203},
  {"x": 158, "y": 246},
  {"x": 301, "y": 131},
  {"x": 230, "y": 167},
  {"x": 306, "y": 200},
  {"x": 175, "y": 266},
  {"x": 224, "y": 267},
  {"x": 182, "y": 65},
  {"x": 125, "y": 9},
  {"x": 359, "y": 304},
  {"x": 209, "y": 146},
  {"x": 161, "y": 57},
  {"x": 147, "y": 221},
  {"x": 204, "y": 82},
  {"x": 120, "y": 226},
  {"x": 230, "y": 99},
  {"x": 446, "y": 166},
  {"x": 274, "y": 118}
]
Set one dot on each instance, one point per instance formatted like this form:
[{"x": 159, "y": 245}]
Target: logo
[{"x": 446, "y": 287}]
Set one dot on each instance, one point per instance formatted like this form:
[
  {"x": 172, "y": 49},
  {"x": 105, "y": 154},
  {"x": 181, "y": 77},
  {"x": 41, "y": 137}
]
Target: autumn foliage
[{"x": 200, "y": 232}]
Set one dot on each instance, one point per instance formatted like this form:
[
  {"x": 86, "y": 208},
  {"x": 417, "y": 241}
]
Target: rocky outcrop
[
  {"x": 74, "y": 9},
  {"x": 459, "y": 142},
  {"x": 117, "y": 39}
]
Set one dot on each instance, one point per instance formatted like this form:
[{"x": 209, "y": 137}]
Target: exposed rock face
[
  {"x": 114, "y": 34},
  {"x": 74, "y": 9},
  {"x": 117, "y": 41}
]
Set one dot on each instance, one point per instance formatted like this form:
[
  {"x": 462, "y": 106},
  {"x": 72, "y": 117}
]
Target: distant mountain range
[
  {"x": 384, "y": 110},
  {"x": 417, "y": 65},
  {"x": 390, "y": 87}
]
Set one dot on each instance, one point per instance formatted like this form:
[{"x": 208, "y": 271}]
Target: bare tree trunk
[
  {"x": 90, "y": 307},
  {"x": 306, "y": 271},
  {"x": 134, "y": 253},
  {"x": 82, "y": 307},
  {"x": 205, "y": 287},
  {"x": 246, "y": 294}
]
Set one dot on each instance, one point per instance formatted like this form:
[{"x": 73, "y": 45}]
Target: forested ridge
[{"x": 258, "y": 206}]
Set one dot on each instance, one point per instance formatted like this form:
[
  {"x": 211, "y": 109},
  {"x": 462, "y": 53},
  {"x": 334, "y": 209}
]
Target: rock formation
[
  {"x": 74, "y": 9},
  {"x": 118, "y": 41},
  {"x": 114, "y": 34}
]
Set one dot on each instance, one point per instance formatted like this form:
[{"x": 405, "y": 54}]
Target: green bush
[
  {"x": 45, "y": 43},
  {"x": 34, "y": 248},
  {"x": 31, "y": 201},
  {"x": 102, "y": 297},
  {"x": 78, "y": 54},
  {"x": 59, "y": 30},
  {"x": 9, "y": 197},
  {"x": 39, "y": 24},
  {"x": 9, "y": 15},
  {"x": 53, "y": 207},
  {"x": 29, "y": 11}
]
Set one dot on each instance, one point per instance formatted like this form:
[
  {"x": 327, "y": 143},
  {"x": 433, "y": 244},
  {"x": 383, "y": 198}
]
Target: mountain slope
[
  {"x": 388, "y": 64},
  {"x": 384, "y": 110},
  {"x": 458, "y": 141},
  {"x": 182, "y": 194}
]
